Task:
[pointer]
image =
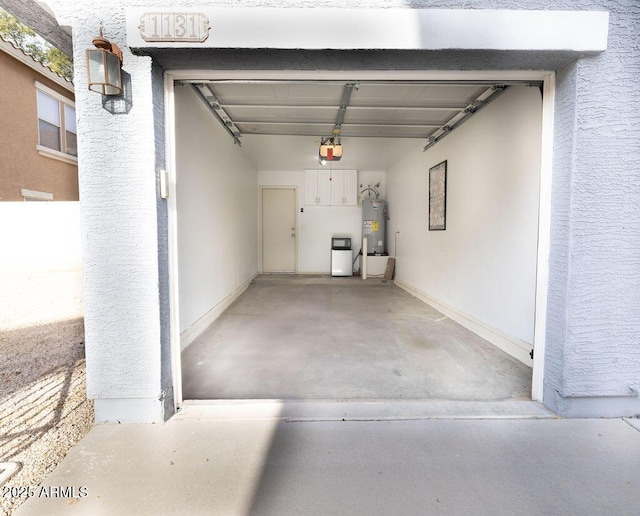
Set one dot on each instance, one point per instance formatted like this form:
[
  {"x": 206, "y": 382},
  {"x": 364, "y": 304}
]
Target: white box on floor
[{"x": 376, "y": 265}]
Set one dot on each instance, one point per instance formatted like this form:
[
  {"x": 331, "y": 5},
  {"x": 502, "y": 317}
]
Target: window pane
[
  {"x": 49, "y": 135},
  {"x": 113, "y": 71},
  {"x": 96, "y": 66},
  {"x": 48, "y": 109},
  {"x": 72, "y": 143},
  {"x": 70, "y": 119}
]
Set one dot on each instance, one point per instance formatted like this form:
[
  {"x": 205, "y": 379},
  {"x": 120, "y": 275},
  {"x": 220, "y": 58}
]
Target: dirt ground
[{"x": 44, "y": 410}]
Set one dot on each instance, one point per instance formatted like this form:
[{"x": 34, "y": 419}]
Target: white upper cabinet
[
  {"x": 344, "y": 188},
  {"x": 331, "y": 187},
  {"x": 317, "y": 187}
]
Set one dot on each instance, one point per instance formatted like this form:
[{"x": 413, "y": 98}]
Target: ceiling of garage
[
  {"x": 385, "y": 109},
  {"x": 378, "y": 121}
]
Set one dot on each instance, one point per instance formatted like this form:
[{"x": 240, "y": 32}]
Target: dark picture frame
[{"x": 438, "y": 197}]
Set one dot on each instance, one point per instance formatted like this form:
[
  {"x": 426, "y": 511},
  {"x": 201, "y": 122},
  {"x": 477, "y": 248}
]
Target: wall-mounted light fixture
[
  {"x": 104, "y": 65},
  {"x": 330, "y": 149}
]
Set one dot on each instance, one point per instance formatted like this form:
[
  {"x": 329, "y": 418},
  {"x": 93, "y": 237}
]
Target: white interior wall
[
  {"x": 484, "y": 264},
  {"x": 282, "y": 160},
  {"x": 317, "y": 224},
  {"x": 217, "y": 210}
]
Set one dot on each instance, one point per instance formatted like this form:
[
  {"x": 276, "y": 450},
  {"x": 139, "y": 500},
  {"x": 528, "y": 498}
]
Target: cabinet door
[
  {"x": 344, "y": 188},
  {"x": 324, "y": 187},
  {"x": 350, "y": 188},
  {"x": 337, "y": 188},
  {"x": 311, "y": 187}
]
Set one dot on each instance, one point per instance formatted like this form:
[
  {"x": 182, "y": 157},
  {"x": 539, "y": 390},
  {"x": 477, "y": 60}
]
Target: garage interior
[{"x": 309, "y": 335}]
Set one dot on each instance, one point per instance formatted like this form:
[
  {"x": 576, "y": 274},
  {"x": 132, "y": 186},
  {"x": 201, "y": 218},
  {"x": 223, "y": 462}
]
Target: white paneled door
[{"x": 278, "y": 230}]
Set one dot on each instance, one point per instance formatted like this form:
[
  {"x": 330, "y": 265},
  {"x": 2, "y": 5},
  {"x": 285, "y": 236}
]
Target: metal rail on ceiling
[
  {"x": 347, "y": 90},
  {"x": 347, "y": 124},
  {"x": 460, "y": 118},
  {"x": 352, "y": 107},
  {"x": 204, "y": 93}
]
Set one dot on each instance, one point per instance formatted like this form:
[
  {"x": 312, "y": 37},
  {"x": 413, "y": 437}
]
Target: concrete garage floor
[{"x": 318, "y": 337}]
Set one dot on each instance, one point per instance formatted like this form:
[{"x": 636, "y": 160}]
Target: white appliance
[{"x": 341, "y": 259}]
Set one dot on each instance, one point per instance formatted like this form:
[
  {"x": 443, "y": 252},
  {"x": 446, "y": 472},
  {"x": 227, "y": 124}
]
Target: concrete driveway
[{"x": 357, "y": 459}]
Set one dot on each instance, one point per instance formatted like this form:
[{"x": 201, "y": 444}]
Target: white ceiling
[
  {"x": 312, "y": 108},
  {"x": 294, "y": 153},
  {"x": 279, "y": 123}
]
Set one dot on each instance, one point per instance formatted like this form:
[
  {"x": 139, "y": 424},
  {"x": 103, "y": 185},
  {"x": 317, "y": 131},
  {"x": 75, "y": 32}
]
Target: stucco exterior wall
[
  {"x": 126, "y": 309},
  {"x": 593, "y": 354},
  {"x": 20, "y": 164},
  {"x": 164, "y": 288},
  {"x": 592, "y": 364},
  {"x": 602, "y": 350}
]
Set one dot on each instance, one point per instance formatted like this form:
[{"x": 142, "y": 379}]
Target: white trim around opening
[
  {"x": 544, "y": 237},
  {"x": 544, "y": 223},
  {"x": 172, "y": 228}
]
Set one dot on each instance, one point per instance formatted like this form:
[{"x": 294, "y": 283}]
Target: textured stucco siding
[
  {"x": 603, "y": 315},
  {"x": 163, "y": 244},
  {"x": 593, "y": 319},
  {"x": 564, "y": 136},
  {"x": 118, "y": 194}
]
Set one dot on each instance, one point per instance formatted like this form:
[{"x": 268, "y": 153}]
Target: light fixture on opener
[
  {"x": 330, "y": 149},
  {"x": 104, "y": 66}
]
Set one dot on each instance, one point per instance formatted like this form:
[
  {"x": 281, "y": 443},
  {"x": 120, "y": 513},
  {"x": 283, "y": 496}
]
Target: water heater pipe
[{"x": 364, "y": 258}]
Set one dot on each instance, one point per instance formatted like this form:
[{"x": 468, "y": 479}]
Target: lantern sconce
[{"x": 104, "y": 66}]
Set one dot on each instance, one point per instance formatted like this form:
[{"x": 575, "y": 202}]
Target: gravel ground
[{"x": 44, "y": 410}]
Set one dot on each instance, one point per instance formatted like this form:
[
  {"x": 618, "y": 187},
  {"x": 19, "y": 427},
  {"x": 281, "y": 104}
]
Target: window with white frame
[{"x": 57, "y": 133}]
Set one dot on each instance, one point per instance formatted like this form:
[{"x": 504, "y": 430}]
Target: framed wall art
[{"x": 438, "y": 197}]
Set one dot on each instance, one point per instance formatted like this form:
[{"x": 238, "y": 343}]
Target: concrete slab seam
[{"x": 416, "y": 418}]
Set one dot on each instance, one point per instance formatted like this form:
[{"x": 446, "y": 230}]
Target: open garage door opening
[{"x": 458, "y": 319}]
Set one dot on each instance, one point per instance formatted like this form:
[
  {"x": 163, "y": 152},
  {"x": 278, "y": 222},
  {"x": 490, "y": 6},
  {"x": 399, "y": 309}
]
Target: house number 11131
[{"x": 169, "y": 27}]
